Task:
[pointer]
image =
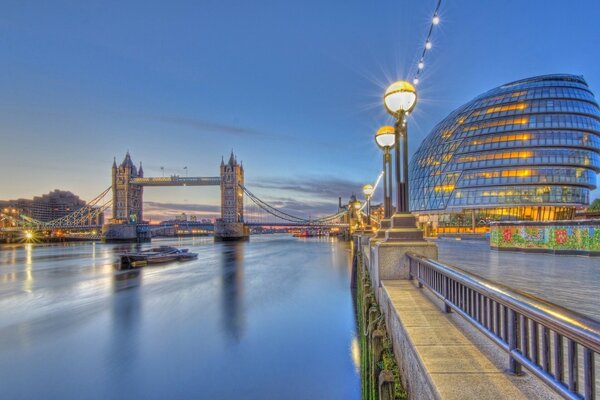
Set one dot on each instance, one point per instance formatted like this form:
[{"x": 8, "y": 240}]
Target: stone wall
[{"x": 380, "y": 375}]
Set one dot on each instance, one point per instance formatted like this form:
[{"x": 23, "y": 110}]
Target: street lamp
[
  {"x": 385, "y": 139},
  {"x": 368, "y": 192},
  {"x": 400, "y": 99}
]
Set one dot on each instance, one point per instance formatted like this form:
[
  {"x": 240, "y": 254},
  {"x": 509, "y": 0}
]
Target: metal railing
[{"x": 535, "y": 333}]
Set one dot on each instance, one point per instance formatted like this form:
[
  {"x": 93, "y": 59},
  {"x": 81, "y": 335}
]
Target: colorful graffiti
[{"x": 552, "y": 237}]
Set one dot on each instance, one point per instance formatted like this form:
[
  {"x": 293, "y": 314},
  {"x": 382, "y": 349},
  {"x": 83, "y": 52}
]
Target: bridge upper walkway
[{"x": 178, "y": 181}]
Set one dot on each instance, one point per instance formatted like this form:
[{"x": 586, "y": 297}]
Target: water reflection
[
  {"x": 232, "y": 290},
  {"x": 28, "y": 281},
  {"x": 126, "y": 280},
  {"x": 126, "y": 314}
]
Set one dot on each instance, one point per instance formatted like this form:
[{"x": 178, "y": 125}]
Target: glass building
[{"x": 527, "y": 150}]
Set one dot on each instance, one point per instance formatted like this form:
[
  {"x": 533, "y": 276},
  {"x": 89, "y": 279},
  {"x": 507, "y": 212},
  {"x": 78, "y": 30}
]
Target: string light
[{"x": 435, "y": 20}]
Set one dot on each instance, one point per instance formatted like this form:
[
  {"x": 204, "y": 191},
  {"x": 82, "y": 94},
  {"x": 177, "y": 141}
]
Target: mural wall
[{"x": 556, "y": 237}]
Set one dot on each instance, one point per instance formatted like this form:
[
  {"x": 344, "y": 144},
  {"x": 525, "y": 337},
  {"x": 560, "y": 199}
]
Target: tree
[{"x": 595, "y": 206}]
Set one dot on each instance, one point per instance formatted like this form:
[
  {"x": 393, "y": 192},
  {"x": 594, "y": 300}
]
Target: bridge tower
[
  {"x": 232, "y": 195},
  {"x": 127, "y": 197},
  {"x": 231, "y": 224}
]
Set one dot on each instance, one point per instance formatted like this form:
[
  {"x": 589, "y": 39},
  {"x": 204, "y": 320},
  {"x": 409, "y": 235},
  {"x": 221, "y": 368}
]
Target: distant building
[
  {"x": 127, "y": 197},
  {"x": 527, "y": 150},
  {"x": 48, "y": 207}
]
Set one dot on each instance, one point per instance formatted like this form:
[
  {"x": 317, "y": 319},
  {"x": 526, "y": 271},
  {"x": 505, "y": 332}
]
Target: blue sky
[{"x": 293, "y": 87}]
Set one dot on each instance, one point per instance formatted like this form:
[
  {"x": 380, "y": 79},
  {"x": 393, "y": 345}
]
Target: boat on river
[{"x": 156, "y": 255}]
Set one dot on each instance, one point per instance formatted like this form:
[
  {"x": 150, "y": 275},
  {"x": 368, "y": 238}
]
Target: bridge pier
[
  {"x": 124, "y": 233},
  {"x": 231, "y": 231}
]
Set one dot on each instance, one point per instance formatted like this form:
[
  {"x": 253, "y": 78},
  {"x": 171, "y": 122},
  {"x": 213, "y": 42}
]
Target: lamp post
[
  {"x": 385, "y": 139},
  {"x": 400, "y": 99},
  {"x": 368, "y": 192}
]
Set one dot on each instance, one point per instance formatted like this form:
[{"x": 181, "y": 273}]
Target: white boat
[{"x": 157, "y": 255}]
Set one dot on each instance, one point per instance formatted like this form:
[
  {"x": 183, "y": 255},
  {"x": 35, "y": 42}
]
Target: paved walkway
[
  {"x": 444, "y": 357},
  {"x": 570, "y": 281}
]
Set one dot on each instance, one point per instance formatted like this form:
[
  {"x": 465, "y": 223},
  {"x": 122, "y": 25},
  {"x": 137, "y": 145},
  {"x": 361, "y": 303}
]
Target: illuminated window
[{"x": 495, "y": 123}]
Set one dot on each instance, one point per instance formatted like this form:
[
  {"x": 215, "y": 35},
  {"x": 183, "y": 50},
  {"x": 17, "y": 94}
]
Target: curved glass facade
[{"x": 529, "y": 143}]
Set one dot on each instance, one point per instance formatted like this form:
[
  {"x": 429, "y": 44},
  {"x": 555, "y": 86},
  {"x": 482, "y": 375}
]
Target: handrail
[{"x": 512, "y": 319}]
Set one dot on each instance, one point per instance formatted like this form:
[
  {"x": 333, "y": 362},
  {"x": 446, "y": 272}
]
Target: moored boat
[{"x": 157, "y": 255}]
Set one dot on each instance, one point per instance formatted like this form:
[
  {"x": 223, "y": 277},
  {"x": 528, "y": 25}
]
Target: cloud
[
  {"x": 316, "y": 187},
  {"x": 208, "y": 126},
  {"x": 204, "y": 126},
  {"x": 305, "y": 209}
]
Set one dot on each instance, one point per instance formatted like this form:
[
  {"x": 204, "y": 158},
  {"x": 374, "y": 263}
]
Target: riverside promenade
[{"x": 443, "y": 356}]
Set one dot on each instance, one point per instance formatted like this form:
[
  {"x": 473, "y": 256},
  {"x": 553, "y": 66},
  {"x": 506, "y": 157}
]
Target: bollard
[
  {"x": 354, "y": 274},
  {"x": 386, "y": 385},
  {"x": 377, "y": 337},
  {"x": 373, "y": 315},
  {"x": 367, "y": 302}
]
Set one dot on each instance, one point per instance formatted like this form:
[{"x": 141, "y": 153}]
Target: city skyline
[{"x": 306, "y": 98}]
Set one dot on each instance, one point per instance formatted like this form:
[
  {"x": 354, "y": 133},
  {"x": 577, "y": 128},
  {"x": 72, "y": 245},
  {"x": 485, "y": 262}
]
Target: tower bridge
[
  {"x": 126, "y": 198},
  {"x": 128, "y": 184}
]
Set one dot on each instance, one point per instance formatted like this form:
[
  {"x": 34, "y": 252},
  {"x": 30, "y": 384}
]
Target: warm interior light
[
  {"x": 400, "y": 96},
  {"x": 385, "y": 136}
]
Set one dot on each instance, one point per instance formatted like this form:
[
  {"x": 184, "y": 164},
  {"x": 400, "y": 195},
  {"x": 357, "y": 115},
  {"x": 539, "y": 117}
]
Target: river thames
[{"x": 269, "y": 318}]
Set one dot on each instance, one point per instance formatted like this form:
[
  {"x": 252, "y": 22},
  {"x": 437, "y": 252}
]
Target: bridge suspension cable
[
  {"x": 92, "y": 209},
  {"x": 80, "y": 217},
  {"x": 289, "y": 217}
]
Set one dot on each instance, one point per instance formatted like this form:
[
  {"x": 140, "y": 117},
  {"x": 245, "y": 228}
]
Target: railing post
[
  {"x": 572, "y": 364},
  {"x": 419, "y": 276},
  {"x": 513, "y": 338},
  {"x": 589, "y": 373},
  {"x": 558, "y": 357},
  {"x": 446, "y": 293}
]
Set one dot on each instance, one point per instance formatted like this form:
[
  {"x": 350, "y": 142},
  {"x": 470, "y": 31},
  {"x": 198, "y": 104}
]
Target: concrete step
[
  {"x": 411, "y": 234},
  {"x": 404, "y": 221}
]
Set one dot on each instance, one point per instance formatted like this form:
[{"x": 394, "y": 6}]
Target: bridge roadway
[
  {"x": 184, "y": 225},
  {"x": 49, "y": 228},
  {"x": 569, "y": 281}
]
